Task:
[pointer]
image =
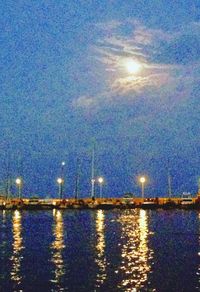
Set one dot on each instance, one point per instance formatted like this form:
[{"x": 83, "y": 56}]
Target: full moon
[{"x": 133, "y": 66}]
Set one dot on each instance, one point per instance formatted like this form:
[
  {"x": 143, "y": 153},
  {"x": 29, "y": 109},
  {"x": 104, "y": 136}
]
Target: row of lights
[
  {"x": 99, "y": 180},
  {"x": 19, "y": 183},
  {"x": 60, "y": 182}
]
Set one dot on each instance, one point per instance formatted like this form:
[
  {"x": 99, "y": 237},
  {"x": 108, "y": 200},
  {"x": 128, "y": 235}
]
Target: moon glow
[{"x": 133, "y": 66}]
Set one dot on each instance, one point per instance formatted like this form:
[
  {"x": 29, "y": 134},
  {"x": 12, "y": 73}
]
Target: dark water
[{"x": 129, "y": 250}]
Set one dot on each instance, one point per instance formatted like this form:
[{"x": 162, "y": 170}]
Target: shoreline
[{"x": 95, "y": 204}]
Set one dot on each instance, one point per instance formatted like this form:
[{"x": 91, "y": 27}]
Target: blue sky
[{"x": 64, "y": 84}]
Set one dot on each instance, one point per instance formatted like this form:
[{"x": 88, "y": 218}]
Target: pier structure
[{"x": 99, "y": 203}]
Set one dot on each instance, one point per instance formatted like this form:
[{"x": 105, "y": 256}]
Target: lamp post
[
  {"x": 18, "y": 182},
  {"x": 62, "y": 176},
  {"x": 60, "y": 182},
  {"x": 142, "y": 181},
  {"x": 62, "y": 168},
  {"x": 92, "y": 175},
  {"x": 100, "y": 181}
]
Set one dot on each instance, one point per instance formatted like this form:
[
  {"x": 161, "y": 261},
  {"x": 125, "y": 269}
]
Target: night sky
[{"x": 64, "y": 85}]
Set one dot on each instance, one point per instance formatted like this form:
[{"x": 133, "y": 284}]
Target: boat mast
[
  {"x": 199, "y": 187},
  {"x": 77, "y": 179},
  {"x": 8, "y": 179},
  {"x": 169, "y": 183}
]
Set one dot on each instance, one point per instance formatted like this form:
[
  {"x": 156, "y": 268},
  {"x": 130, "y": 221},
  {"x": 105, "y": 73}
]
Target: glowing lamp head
[
  {"x": 133, "y": 66},
  {"x": 59, "y": 180},
  {"x": 142, "y": 179},
  {"x": 100, "y": 180},
  {"x": 18, "y": 181},
  {"x": 63, "y": 163},
  {"x": 17, "y": 214}
]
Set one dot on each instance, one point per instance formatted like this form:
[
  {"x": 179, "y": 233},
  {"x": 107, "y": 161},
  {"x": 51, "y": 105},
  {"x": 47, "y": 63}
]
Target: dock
[{"x": 103, "y": 203}]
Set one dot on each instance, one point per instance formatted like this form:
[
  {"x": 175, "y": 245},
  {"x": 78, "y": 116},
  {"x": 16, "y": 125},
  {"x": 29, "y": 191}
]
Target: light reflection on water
[
  {"x": 17, "y": 257},
  {"x": 3, "y": 245},
  {"x": 136, "y": 254},
  {"x": 125, "y": 255},
  {"x": 198, "y": 271},
  {"x": 57, "y": 249},
  {"x": 100, "y": 248}
]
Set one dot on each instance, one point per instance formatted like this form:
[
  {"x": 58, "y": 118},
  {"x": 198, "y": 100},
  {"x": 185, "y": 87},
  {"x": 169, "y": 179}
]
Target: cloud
[
  {"x": 170, "y": 61},
  {"x": 139, "y": 84},
  {"x": 91, "y": 104},
  {"x": 108, "y": 26},
  {"x": 84, "y": 102}
]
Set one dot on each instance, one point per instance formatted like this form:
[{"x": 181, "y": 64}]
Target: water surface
[{"x": 120, "y": 250}]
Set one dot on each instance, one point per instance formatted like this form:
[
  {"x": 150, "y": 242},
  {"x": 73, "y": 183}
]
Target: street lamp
[
  {"x": 142, "y": 181},
  {"x": 18, "y": 182},
  {"x": 62, "y": 167},
  {"x": 60, "y": 182},
  {"x": 100, "y": 181}
]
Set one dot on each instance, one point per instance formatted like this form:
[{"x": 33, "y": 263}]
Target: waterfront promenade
[{"x": 104, "y": 203}]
